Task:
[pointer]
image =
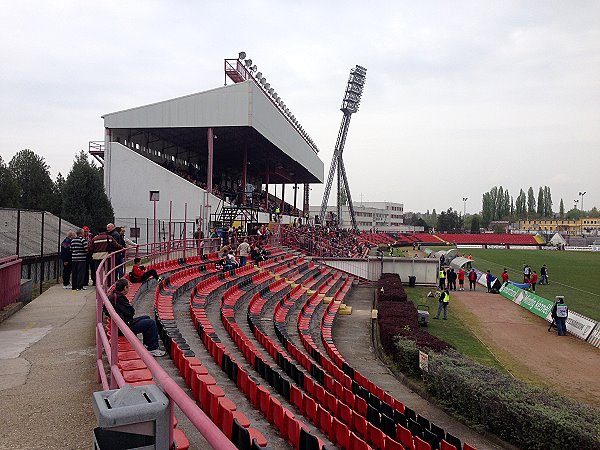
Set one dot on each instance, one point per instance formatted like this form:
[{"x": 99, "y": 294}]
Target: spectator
[
  {"x": 89, "y": 262},
  {"x": 461, "y": 279},
  {"x": 244, "y": 251},
  {"x": 142, "y": 324},
  {"x": 139, "y": 274},
  {"x": 544, "y": 274},
  {"x": 102, "y": 244},
  {"x": 472, "y": 280},
  {"x": 65, "y": 257},
  {"x": 119, "y": 257},
  {"x": 443, "y": 304},
  {"x": 560, "y": 312},
  {"x": 451, "y": 275},
  {"x": 534, "y": 280},
  {"x": 505, "y": 276},
  {"x": 488, "y": 279},
  {"x": 231, "y": 261},
  {"x": 79, "y": 252}
]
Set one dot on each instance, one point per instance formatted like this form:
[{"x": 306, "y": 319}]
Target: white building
[{"x": 385, "y": 217}]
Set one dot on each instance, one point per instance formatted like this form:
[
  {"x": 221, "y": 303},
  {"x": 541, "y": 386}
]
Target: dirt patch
[{"x": 521, "y": 342}]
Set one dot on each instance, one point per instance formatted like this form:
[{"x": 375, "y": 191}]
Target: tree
[
  {"x": 561, "y": 210},
  {"x": 475, "y": 223},
  {"x": 33, "y": 179},
  {"x": 84, "y": 199},
  {"x": 521, "y": 205},
  {"x": 57, "y": 195},
  {"x": 540, "y": 203},
  {"x": 547, "y": 202},
  {"x": 9, "y": 189},
  {"x": 448, "y": 221},
  {"x": 594, "y": 212},
  {"x": 530, "y": 201}
]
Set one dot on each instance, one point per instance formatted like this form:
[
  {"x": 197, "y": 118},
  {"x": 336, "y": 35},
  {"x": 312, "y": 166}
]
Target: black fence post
[
  {"x": 57, "y": 260},
  {"x": 42, "y": 255},
  {"x": 18, "y": 230}
]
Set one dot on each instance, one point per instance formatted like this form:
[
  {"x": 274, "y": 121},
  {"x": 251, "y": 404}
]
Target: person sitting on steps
[
  {"x": 139, "y": 274},
  {"x": 141, "y": 324}
]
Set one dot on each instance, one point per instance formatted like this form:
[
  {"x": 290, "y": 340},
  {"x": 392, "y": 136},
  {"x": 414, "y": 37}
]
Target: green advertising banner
[
  {"x": 510, "y": 291},
  {"x": 536, "y": 304}
]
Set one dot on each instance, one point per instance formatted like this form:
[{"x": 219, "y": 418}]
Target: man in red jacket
[{"x": 534, "y": 280}]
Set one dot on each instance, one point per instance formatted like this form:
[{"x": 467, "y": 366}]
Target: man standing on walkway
[
  {"x": 79, "y": 252},
  {"x": 443, "y": 304},
  {"x": 461, "y": 279},
  {"x": 451, "y": 275},
  {"x": 534, "y": 280},
  {"x": 65, "y": 257},
  {"x": 560, "y": 312}
]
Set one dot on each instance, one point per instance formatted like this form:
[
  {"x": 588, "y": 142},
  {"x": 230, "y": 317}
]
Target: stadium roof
[{"x": 240, "y": 114}]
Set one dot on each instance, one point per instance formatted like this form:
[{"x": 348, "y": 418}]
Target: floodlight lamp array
[
  {"x": 354, "y": 90},
  {"x": 261, "y": 81}
]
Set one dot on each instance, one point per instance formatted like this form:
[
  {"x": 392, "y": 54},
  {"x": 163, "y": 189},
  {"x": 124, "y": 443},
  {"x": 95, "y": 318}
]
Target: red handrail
[{"x": 109, "y": 348}]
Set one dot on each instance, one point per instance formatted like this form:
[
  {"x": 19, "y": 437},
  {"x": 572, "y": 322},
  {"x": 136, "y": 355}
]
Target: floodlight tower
[{"x": 350, "y": 104}]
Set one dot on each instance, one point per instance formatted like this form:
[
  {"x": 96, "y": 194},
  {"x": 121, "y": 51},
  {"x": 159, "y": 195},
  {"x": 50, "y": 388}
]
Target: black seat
[
  {"x": 423, "y": 422},
  {"x": 409, "y": 413},
  {"x": 431, "y": 439},
  {"x": 439, "y": 432},
  {"x": 453, "y": 440},
  {"x": 415, "y": 428}
]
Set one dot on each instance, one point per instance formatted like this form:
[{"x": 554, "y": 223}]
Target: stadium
[{"x": 315, "y": 342}]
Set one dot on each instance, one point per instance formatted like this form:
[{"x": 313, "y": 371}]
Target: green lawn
[
  {"x": 576, "y": 275},
  {"x": 454, "y": 330}
]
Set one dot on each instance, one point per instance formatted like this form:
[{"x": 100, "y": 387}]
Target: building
[
  {"x": 571, "y": 227},
  {"x": 385, "y": 217}
]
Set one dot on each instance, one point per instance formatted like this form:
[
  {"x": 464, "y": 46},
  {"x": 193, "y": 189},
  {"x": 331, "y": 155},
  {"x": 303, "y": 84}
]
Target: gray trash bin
[
  {"x": 131, "y": 418},
  {"x": 412, "y": 281}
]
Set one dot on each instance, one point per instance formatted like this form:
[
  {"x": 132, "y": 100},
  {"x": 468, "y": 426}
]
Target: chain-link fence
[
  {"x": 35, "y": 237},
  {"x": 141, "y": 229}
]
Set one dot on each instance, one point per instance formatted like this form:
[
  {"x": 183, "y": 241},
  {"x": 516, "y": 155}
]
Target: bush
[
  {"x": 528, "y": 417},
  {"x": 390, "y": 288}
]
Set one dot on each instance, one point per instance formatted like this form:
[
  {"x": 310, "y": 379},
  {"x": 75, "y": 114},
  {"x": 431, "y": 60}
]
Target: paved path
[
  {"x": 351, "y": 335},
  {"x": 47, "y": 376}
]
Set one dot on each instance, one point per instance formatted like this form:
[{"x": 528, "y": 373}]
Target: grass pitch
[{"x": 576, "y": 275}]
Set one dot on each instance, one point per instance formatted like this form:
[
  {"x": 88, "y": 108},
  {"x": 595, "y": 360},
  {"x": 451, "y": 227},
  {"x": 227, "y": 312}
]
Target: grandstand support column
[
  {"x": 282, "y": 197},
  {"x": 209, "y": 165},
  {"x": 107, "y": 153},
  {"x": 295, "y": 193},
  {"x": 305, "y": 204},
  {"x": 244, "y": 172},
  {"x": 267, "y": 188}
]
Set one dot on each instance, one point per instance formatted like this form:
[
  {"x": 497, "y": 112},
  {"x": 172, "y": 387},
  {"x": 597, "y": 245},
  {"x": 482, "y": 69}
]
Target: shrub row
[
  {"x": 400, "y": 319},
  {"x": 526, "y": 416},
  {"x": 390, "y": 288}
]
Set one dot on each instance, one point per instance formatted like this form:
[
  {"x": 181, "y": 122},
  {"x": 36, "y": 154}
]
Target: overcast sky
[{"x": 460, "y": 96}]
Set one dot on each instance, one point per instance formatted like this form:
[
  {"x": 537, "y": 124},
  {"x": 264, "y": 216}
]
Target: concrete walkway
[{"x": 47, "y": 376}]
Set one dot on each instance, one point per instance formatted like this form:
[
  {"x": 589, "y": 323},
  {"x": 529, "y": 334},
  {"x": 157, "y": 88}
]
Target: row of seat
[
  {"x": 210, "y": 397},
  {"x": 282, "y": 418},
  {"x": 132, "y": 367}
]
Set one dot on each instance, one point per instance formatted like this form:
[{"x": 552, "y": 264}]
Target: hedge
[
  {"x": 528, "y": 417},
  {"x": 523, "y": 415}
]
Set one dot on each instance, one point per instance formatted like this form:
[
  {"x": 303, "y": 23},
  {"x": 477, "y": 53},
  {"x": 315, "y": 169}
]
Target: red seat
[
  {"x": 357, "y": 443},
  {"x": 296, "y": 398},
  {"x": 180, "y": 440},
  {"x": 310, "y": 409},
  {"x": 257, "y": 436},
  {"x": 444, "y": 446},
  {"x": 404, "y": 436},
  {"x": 340, "y": 432},
  {"x": 323, "y": 420},
  {"x": 360, "y": 425},
  {"x": 224, "y": 407},
  {"x": 391, "y": 444},
  {"x": 133, "y": 376},
  {"x": 375, "y": 436},
  {"x": 468, "y": 447},
  {"x": 420, "y": 444}
]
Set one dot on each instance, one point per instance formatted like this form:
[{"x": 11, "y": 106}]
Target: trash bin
[
  {"x": 131, "y": 418},
  {"x": 412, "y": 281}
]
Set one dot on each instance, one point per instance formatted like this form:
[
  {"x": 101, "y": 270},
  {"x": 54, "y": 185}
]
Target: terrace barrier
[{"x": 10, "y": 280}]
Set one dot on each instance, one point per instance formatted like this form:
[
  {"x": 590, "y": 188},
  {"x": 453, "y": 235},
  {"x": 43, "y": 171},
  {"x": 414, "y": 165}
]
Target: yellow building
[{"x": 587, "y": 225}]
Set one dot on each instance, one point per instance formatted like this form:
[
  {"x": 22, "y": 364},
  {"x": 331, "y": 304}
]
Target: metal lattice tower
[{"x": 350, "y": 104}]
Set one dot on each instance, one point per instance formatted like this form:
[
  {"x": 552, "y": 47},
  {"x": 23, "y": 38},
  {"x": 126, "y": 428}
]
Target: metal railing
[{"x": 108, "y": 347}]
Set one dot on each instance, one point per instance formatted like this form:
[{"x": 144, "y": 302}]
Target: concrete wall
[{"x": 426, "y": 270}]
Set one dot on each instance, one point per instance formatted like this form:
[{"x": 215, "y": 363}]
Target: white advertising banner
[
  {"x": 594, "y": 337},
  {"x": 579, "y": 325},
  {"x": 469, "y": 246}
]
